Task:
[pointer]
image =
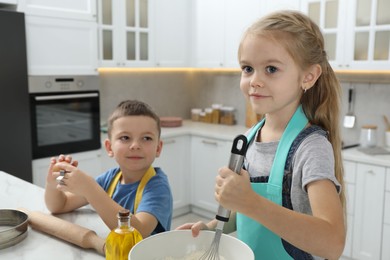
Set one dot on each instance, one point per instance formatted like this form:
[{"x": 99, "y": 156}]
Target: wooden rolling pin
[{"x": 65, "y": 230}]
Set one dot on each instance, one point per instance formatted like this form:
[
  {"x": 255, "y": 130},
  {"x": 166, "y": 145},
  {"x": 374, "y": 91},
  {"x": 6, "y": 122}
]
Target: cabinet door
[
  {"x": 172, "y": 37},
  {"x": 349, "y": 179},
  {"x": 174, "y": 161},
  {"x": 356, "y": 33},
  {"x": 125, "y": 33},
  {"x": 368, "y": 218},
  {"x": 208, "y": 155},
  {"x": 386, "y": 222},
  {"x": 73, "y": 9},
  {"x": 331, "y": 17},
  {"x": 239, "y": 15},
  {"x": 209, "y": 33},
  {"x": 368, "y": 36},
  {"x": 60, "y": 46},
  {"x": 219, "y": 25},
  {"x": 386, "y": 242},
  {"x": 14, "y": 2}
]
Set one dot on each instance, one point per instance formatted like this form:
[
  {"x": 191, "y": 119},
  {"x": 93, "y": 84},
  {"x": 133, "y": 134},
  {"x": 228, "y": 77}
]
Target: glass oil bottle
[{"x": 120, "y": 240}]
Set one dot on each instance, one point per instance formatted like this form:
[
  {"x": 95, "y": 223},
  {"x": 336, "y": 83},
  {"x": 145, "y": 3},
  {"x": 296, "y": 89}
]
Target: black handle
[
  {"x": 350, "y": 93},
  {"x": 240, "y": 145},
  {"x": 239, "y": 148}
]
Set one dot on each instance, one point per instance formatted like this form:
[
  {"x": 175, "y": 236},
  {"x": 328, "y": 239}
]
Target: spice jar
[
  {"x": 368, "y": 136},
  {"x": 208, "y": 112},
  {"x": 195, "y": 114},
  {"x": 227, "y": 115},
  {"x": 202, "y": 116},
  {"x": 216, "y": 113}
]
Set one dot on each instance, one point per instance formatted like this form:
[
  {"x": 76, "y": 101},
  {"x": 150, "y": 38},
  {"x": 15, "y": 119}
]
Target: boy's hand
[{"x": 56, "y": 165}]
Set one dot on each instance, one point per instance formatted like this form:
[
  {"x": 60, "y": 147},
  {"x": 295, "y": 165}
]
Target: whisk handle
[{"x": 239, "y": 147}]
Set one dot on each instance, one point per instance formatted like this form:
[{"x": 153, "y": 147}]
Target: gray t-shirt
[{"x": 313, "y": 160}]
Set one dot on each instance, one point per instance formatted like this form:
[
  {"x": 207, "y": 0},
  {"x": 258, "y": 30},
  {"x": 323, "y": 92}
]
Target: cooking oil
[{"x": 120, "y": 240}]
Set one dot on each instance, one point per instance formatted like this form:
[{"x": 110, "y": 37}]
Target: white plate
[{"x": 180, "y": 243}]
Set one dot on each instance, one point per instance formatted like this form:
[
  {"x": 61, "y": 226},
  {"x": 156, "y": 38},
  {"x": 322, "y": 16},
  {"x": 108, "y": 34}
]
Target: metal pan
[{"x": 13, "y": 227}]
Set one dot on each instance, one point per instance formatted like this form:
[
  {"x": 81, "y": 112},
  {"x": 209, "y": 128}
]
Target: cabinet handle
[
  {"x": 171, "y": 141},
  {"x": 371, "y": 172},
  {"x": 209, "y": 142}
]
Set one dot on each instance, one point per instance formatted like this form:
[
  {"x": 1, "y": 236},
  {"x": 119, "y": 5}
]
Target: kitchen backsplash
[{"x": 174, "y": 93}]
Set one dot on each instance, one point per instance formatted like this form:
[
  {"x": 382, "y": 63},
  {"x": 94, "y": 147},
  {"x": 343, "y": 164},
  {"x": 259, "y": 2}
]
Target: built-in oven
[{"x": 65, "y": 115}]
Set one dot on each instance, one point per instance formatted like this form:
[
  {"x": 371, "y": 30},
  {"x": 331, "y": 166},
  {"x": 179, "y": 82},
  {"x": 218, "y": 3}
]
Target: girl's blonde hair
[{"x": 303, "y": 40}]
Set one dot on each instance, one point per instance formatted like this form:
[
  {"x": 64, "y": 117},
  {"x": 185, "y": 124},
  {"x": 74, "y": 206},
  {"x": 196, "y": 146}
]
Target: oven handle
[{"x": 55, "y": 97}]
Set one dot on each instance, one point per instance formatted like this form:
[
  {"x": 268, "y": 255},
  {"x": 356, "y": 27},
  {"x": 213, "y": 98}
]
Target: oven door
[{"x": 64, "y": 123}]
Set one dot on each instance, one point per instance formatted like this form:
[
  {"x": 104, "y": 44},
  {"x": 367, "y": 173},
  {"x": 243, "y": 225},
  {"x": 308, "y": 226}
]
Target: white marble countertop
[
  {"x": 215, "y": 131},
  {"x": 354, "y": 154},
  {"x": 227, "y": 133},
  {"x": 16, "y": 193}
]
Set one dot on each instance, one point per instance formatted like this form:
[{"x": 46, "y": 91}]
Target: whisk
[{"x": 239, "y": 147}]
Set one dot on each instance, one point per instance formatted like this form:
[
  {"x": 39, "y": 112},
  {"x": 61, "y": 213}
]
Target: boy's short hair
[{"x": 132, "y": 108}]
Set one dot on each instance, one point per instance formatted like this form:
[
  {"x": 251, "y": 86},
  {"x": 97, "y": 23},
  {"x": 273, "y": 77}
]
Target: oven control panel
[{"x": 41, "y": 84}]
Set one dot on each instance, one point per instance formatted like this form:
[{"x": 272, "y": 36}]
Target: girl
[{"x": 288, "y": 198}]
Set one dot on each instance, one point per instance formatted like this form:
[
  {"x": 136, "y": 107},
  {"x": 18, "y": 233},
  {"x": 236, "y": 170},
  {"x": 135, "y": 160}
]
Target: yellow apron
[
  {"x": 138, "y": 196},
  {"x": 264, "y": 243}
]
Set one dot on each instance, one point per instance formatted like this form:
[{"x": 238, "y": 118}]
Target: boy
[{"x": 134, "y": 141}]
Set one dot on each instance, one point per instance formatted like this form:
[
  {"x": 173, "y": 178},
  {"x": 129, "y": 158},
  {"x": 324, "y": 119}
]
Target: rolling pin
[{"x": 65, "y": 230}]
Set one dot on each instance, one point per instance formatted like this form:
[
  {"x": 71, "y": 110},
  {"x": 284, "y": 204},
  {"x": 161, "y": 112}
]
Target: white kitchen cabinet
[
  {"x": 386, "y": 220},
  {"x": 350, "y": 184},
  {"x": 13, "y": 2},
  {"x": 218, "y": 27},
  {"x": 89, "y": 162},
  {"x": 220, "y": 24},
  {"x": 61, "y": 46},
  {"x": 174, "y": 160},
  {"x": 172, "y": 34},
  {"x": 125, "y": 38},
  {"x": 368, "y": 212},
  {"x": 358, "y": 36},
  {"x": 70, "y": 9},
  {"x": 207, "y": 156}
]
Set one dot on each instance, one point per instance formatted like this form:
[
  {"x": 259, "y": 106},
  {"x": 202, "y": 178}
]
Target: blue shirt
[{"x": 156, "y": 198}]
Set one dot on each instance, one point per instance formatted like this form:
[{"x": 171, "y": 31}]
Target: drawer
[
  {"x": 386, "y": 218},
  {"x": 349, "y": 171}
]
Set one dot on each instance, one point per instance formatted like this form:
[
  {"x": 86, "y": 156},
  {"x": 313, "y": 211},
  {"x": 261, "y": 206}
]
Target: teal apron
[{"x": 264, "y": 243}]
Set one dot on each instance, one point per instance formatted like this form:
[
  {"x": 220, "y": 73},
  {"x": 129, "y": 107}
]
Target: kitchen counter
[
  {"x": 227, "y": 133},
  {"x": 16, "y": 193},
  {"x": 215, "y": 131},
  {"x": 354, "y": 154}
]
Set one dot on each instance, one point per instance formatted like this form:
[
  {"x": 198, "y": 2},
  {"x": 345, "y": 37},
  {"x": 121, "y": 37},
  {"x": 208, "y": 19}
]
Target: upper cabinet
[
  {"x": 171, "y": 34},
  {"x": 61, "y": 36},
  {"x": 125, "y": 33},
  {"x": 70, "y": 9},
  {"x": 220, "y": 24},
  {"x": 145, "y": 33},
  {"x": 13, "y": 2},
  {"x": 358, "y": 36},
  {"x": 218, "y": 27}
]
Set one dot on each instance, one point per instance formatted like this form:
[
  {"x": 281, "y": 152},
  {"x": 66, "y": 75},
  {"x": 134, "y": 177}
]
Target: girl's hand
[
  {"x": 232, "y": 189},
  {"x": 195, "y": 227}
]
